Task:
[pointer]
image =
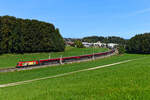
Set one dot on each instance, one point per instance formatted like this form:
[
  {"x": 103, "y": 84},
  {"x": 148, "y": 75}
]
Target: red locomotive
[{"x": 26, "y": 63}]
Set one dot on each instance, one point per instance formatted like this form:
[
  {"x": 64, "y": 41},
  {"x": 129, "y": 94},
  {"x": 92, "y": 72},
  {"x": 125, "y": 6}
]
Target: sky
[{"x": 80, "y": 18}]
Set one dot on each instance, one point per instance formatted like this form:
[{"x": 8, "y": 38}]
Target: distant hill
[
  {"x": 109, "y": 39},
  {"x": 93, "y": 39}
]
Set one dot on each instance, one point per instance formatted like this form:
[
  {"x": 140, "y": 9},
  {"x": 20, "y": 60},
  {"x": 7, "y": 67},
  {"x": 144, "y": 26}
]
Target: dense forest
[
  {"x": 139, "y": 44},
  {"x": 20, "y": 36}
]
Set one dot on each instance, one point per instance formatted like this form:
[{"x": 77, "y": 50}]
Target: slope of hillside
[
  {"x": 128, "y": 81},
  {"x": 10, "y": 60}
]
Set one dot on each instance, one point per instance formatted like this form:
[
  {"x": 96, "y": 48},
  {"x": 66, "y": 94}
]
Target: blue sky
[{"x": 79, "y": 18}]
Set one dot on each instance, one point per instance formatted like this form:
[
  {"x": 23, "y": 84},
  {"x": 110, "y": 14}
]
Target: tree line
[
  {"x": 23, "y": 35},
  {"x": 110, "y": 39},
  {"x": 139, "y": 44},
  {"x": 93, "y": 39}
]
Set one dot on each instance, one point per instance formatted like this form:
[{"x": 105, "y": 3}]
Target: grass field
[
  {"x": 129, "y": 81},
  {"x": 10, "y": 60},
  {"x": 43, "y": 72}
]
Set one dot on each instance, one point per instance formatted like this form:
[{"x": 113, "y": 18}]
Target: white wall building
[
  {"x": 99, "y": 44},
  {"x": 111, "y": 45},
  {"x": 86, "y": 44}
]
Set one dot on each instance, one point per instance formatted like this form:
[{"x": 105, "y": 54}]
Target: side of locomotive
[{"x": 26, "y": 63}]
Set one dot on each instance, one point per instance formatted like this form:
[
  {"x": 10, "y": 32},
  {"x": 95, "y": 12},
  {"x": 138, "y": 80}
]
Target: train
[{"x": 23, "y": 64}]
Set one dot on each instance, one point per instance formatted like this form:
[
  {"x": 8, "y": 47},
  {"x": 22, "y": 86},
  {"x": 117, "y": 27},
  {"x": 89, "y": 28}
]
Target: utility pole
[
  {"x": 93, "y": 53},
  {"x": 49, "y": 56},
  {"x": 61, "y": 59}
]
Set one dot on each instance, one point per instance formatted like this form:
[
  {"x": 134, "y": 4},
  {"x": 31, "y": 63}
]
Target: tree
[
  {"x": 139, "y": 44},
  {"x": 121, "y": 49},
  {"x": 79, "y": 44},
  {"x": 20, "y": 36}
]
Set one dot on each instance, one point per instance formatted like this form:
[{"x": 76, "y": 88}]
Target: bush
[
  {"x": 121, "y": 49},
  {"x": 79, "y": 44}
]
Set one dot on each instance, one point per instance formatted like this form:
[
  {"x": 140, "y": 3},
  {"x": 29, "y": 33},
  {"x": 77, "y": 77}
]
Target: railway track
[
  {"x": 50, "y": 65},
  {"x": 8, "y": 69}
]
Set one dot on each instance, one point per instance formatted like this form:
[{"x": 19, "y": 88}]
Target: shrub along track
[{"x": 42, "y": 66}]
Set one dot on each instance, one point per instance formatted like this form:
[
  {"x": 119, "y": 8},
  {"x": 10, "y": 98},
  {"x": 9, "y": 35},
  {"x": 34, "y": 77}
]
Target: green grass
[
  {"x": 129, "y": 81},
  {"x": 43, "y": 72},
  {"x": 10, "y": 60}
]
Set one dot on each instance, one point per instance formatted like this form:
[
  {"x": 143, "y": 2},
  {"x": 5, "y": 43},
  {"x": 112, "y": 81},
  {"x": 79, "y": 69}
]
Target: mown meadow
[
  {"x": 10, "y": 60},
  {"x": 128, "y": 81}
]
